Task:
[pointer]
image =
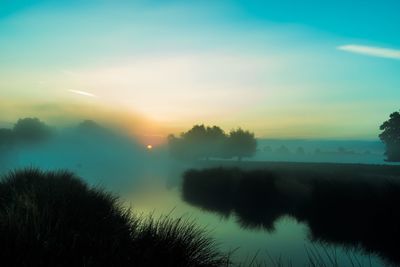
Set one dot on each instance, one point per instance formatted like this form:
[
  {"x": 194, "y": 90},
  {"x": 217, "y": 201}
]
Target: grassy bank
[
  {"x": 55, "y": 219},
  {"x": 357, "y": 209},
  {"x": 292, "y": 168}
]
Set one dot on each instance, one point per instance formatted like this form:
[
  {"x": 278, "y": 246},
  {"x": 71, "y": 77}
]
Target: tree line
[
  {"x": 200, "y": 142},
  {"x": 26, "y": 131},
  {"x": 31, "y": 131},
  {"x": 204, "y": 142}
]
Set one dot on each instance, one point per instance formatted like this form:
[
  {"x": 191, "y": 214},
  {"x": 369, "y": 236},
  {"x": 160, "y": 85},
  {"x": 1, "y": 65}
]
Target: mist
[
  {"x": 309, "y": 150},
  {"x": 102, "y": 156},
  {"x": 108, "y": 157},
  {"x": 199, "y": 133},
  {"x": 153, "y": 178}
]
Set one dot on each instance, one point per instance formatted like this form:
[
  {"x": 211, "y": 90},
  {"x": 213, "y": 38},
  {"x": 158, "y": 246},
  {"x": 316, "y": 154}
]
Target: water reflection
[{"x": 354, "y": 209}]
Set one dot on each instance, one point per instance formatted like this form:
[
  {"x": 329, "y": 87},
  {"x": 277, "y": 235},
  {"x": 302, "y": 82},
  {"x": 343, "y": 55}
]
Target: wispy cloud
[
  {"x": 371, "y": 51},
  {"x": 82, "y": 93}
]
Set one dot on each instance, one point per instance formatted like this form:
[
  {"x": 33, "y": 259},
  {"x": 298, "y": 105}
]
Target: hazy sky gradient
[{"x": 282, "y": 69}]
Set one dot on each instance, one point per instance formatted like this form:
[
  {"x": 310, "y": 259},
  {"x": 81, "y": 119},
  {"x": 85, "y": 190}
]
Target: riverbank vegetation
[
  {"x": 55, "y": 219},
  {"x": 351, "y": 209}
]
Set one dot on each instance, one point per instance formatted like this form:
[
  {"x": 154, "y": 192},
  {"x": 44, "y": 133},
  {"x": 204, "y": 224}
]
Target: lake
[
  {"x": 151, "y": 184},
  {"x": 289, "y": 240}
]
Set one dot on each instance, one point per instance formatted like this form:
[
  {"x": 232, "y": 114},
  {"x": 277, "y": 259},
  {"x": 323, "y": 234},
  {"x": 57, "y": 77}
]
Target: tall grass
[
  {"x": 55, "y": 219},
  {"x": 176, "y": 242}
]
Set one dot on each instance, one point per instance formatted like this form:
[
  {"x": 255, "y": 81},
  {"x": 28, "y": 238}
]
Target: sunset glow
[
  {"x": 199, "y": 133},
  {"x": 250, "y": 64}
]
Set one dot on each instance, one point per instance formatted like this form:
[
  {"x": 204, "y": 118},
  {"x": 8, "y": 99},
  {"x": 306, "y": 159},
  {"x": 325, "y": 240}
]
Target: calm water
[
  {"x": 288, "y": 240},
  {"x": 144, "y": 181}
]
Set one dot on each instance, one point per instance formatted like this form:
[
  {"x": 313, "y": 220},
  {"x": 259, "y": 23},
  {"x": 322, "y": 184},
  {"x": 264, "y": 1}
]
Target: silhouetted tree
[
  {"x": 216, "y": 139},
  {"x": 391, "y": 137},
  {"x": 241, "y": 144},
  {"x": 202, "y": 142},
  {"x": 198, "y": 142},
  {"x": 31, "y": 130},
  {"x": 192, "y": 144}
]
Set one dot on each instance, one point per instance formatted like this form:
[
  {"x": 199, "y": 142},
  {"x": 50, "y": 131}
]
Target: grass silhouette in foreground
[
  {"x": 55, "y": 219},
  {"x": 353, "y": 209}
]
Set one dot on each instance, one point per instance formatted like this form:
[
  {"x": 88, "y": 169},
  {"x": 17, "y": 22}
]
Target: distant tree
[
  {"x": 390, "y": 136},
  {"x": 216, "y": 139},
  {"x": 241, "y": 144},
  {"x": 197, "y": 143},
  {"x": 202, "y": 142},
  {"x": 31, "y": 130}
]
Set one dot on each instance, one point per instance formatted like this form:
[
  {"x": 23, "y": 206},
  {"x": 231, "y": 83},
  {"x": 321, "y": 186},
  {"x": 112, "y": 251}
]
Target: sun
[{"x": 149, "y": 147}]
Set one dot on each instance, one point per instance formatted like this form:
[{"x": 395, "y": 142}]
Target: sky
[{"x": 282, "y": 69}]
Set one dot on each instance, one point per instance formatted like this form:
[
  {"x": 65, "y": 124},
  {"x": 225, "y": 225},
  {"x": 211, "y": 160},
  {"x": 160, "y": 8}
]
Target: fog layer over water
[
  {"x": 100, "y": 156},
  {"x": 150, "y": 181},
  {"x": 335, "y": 151}
]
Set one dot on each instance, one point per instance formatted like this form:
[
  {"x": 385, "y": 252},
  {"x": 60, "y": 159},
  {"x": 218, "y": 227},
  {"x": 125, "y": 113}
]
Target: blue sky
[
  {"x": 372, "y": 20},
  {"x": 364, "y": 19},
  {"x": 281, "y": 68}
]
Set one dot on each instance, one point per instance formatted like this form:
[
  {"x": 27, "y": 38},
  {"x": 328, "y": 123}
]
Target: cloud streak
[
  {"x": 82, "y": 93},
  {"x": 371, "y": 51}
]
